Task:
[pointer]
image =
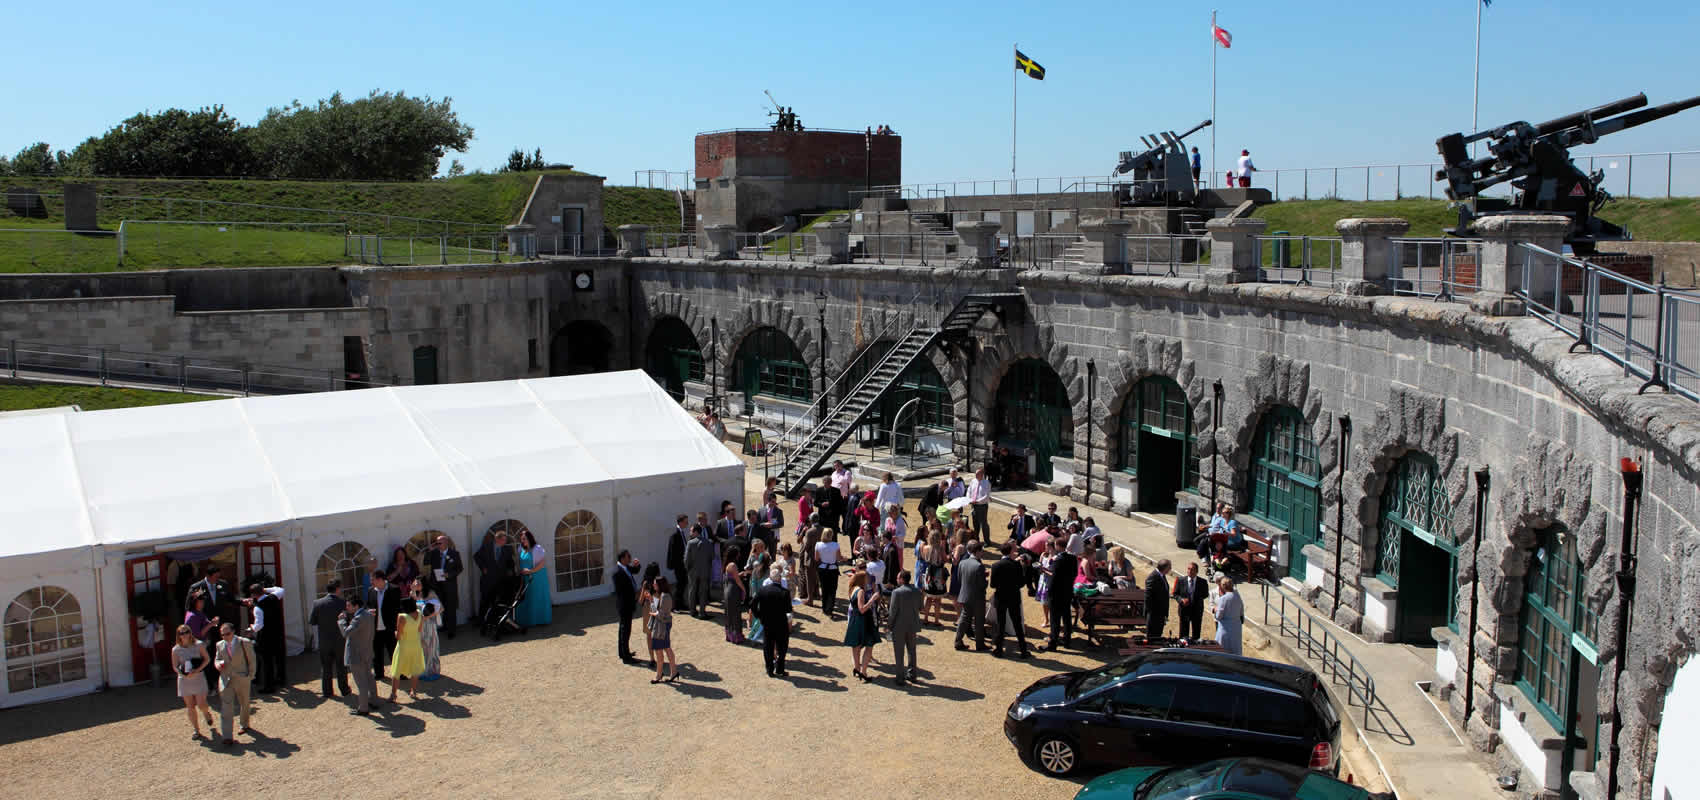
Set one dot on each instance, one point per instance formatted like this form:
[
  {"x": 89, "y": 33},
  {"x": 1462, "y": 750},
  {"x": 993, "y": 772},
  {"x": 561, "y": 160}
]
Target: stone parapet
[
  {"x": 1366, "y": 252},
  {"x": 1233, "y": 250},
  {"x": 720, "y": 242},
  {"x": 832, "y": 242},
  {"x": 522, "y": 240},
  {"x": 1106, "y": 246},
  {"x": 1503, "y": 260}
]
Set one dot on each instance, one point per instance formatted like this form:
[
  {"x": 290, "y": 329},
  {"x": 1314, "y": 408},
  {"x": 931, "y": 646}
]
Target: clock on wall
[{"x": 583, "y": 280}]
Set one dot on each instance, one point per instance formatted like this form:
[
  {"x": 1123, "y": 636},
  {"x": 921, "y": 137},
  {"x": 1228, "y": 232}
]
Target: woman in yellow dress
[{"x": 409, "y": 657}]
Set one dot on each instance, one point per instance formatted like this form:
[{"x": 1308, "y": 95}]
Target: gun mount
[
  {"x": 1535, "y": 160},
  {"x": 1162, "y": 175}
]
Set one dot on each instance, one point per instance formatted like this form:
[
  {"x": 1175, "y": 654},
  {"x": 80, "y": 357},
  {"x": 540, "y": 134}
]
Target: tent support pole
[{"x": 100, "y": 624}]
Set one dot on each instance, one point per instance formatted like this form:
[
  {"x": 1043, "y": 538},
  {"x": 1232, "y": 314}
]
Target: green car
[{"x": 1224, "y": 779}]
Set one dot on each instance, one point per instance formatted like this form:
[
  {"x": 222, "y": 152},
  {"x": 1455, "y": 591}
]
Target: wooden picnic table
[{"x": 1121, "y": 609}]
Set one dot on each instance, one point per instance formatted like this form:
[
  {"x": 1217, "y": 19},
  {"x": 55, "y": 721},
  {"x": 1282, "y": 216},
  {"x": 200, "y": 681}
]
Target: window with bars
[
  {"x": 1033, "y": 407},
  {"x": 1157, "y": 405},
  {"x": 1415, "y": 501},
  {"x": 1554, "y": 609},
  {"x": 770, "y": 364},
  {"x": 343, "y": 561},
  {"x": 44, "y": 639},
  {"x": 1286, "y": 473}
]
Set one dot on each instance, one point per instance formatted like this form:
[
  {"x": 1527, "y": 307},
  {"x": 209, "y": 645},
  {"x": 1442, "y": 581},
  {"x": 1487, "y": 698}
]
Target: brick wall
[{"x": 816, "y": 155}]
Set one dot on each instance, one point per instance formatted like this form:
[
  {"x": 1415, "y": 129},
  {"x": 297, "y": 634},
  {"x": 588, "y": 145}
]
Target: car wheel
[{"x": 1055, "y": 756}]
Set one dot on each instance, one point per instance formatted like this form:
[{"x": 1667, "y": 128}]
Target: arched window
[
  {"x": 1555, "y": 613},
  {"x": 672, "y": 356},
  {"x": 1155, "y": 441},
  {"x": 770, "y": 364},
  {"x": 1285, "y": 476},
  {"x": 1418, "y": 552},
  {"x": 1033, "y": 411},
  {"x": 578, "y": 552},
  {"x": 44, "y": 640},
  {"x": 343, "y": 561},
  {"x": 418, "y": 543}
]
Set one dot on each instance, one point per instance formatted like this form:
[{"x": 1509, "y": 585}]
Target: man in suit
[
  {"x": 971, "y": 599},
  {"x": 237, "y": 664},
  {"x": 1064, "y": 569},
  {"x": 1007, "y": 579},
  {"x": 221, "y": 600},
  {"x": 676, "y": 542},
  {"x": 625, "y": 601},
  {"x": 323, "y": 619},
  {"x": 385, "y": 602},
  {"x": 1191, "y": 593},
  {"x": 772, "y": 516},
  {"x": 726, "y": 527},
  {"x": 495, "y": 562},
  {"x": 699, "y": 558},
  {"x": 443, "y": 567},
  {"x": 358, "y": 626},
  {"x": 905, "y": 625},
  {"x": 1157, "y": 600},
  {"x": 810, "y": 575},
  {"x": 1021, "y": 525},
  {"x": 773, "y": 609},
  {"x": 267, "y": 604},
  {"x": 755, "y": 529}
]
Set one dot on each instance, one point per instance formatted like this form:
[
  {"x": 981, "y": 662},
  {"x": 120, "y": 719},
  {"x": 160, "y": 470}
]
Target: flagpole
[
  {"x": 1213, "y": 125},
  {"x": 1014, "y": 84},
  {"x": 1476, "y": 87}
]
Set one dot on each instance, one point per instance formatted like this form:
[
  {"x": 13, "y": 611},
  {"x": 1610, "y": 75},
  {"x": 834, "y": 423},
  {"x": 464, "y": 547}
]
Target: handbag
[{"x": 756, "y": 631}]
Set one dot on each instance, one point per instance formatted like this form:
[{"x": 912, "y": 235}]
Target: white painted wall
[
  {"x": 1377, "y": 614},
  {"x": 1314, "y": 573},
  {"x": 1537, "y": 761},
  {"x": 1121, "y": 489},
  {"x": 1676, "y": 773},
  {"x": 1062, "y": 471},
  {"x": 1445, "y": 664}
]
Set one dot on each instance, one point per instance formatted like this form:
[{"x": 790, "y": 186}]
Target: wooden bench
[
  {"x": 1257, "y": 559},
  {"x": 1121, "y": 609}
]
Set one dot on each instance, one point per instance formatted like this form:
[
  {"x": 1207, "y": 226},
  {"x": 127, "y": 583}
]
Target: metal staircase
[{"x": 831, "y": 432}]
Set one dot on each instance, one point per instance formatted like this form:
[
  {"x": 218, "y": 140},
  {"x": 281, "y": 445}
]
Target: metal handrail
[
  {"x": 1336, "y": 660},
  {"x": 108, "y": 364}
]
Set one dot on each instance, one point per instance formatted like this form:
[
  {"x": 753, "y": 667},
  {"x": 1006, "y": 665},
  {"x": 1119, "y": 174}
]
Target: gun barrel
[
  {"x": 1597, "y": 112},
  {"x": 1194, "y": 129},
  {"x": 1644, "y": 116}
]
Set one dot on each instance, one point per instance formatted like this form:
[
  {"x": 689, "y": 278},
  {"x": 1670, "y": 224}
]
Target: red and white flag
[{"x": 1223, "y": 38}]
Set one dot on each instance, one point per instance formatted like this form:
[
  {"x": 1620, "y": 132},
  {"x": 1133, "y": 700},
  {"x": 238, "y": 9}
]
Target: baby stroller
[{"x": 499, "y": 617}]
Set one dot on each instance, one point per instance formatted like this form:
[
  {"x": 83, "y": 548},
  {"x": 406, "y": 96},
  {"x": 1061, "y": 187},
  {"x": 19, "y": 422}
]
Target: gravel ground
[{"x": 554, "y": 714}]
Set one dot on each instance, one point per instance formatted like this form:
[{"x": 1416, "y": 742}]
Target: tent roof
[{"x": 163, "y": 473}]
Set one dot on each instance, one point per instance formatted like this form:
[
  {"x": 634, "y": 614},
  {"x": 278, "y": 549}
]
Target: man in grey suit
[
  {"x": 971, "y": 599},
  {"x": 358, "y": 623},
  {"x": 699, "y": 557},
  {"x": 323, "y": 619},
  {"x": 905, "y": 625},
  {"x": 237, "y": 663}
]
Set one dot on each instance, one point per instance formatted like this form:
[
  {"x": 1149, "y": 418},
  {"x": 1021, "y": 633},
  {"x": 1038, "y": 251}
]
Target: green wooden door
[{"x": 424, "y": 365}]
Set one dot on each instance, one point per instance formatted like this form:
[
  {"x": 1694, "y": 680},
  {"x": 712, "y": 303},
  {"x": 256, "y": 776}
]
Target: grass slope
[
  {"x": 1672, "y": 220},
  {"x": 16, "y": 397}
]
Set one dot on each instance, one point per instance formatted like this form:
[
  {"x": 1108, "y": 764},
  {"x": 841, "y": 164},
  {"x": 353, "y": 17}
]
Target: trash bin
[
  {"x": 1283, "y": 255},
  {"x": 1186, "y": 525}
]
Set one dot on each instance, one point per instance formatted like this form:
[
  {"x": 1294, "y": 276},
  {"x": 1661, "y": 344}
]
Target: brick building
[{"x": 753, "y": 179}]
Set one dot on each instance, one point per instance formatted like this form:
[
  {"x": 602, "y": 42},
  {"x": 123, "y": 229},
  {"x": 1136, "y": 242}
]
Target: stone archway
[
  {"x": 760, "y": 314},
  {"x": 581, "y": 346},
  {"x": 997, "y": 353},
  {"x": 1145, "y": 356}
]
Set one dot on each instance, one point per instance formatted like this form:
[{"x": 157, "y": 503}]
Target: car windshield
[
  {"x": 1090, "y": 680},
  {"x": 1177, "y": 783}
]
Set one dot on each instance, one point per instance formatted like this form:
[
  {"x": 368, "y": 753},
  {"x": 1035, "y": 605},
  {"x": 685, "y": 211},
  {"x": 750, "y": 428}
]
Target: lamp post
[
  {"x": 1631, "y": 471},
  {"x": 1482, "y": 481},
  {"x": 713, "y": 361},
  {"x": 820, "y": 313},
  {"x": 1215, "y": 426},
  {"x": 1091, "y": 392}
]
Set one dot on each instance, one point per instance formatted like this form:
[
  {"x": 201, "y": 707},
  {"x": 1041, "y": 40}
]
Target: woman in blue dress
[
  {"x": 863, "y": 631},
  {"x": 536, "y": 608}
]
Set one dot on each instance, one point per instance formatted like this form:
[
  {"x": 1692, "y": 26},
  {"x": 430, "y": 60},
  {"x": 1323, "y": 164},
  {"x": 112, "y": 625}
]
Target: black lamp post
[
  {"x": 1482, "y": 481},
  {"x": 1631, "y": 471},
  {"x": 713, "y": 360},
  {"x": 820, "y": 313},
  {"x": 1215, "y": 427},
  {"x": 1091, "y": 422}
]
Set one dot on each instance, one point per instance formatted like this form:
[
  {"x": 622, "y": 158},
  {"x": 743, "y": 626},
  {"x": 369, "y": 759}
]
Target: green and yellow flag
[{"x": 1029, "y": 66}]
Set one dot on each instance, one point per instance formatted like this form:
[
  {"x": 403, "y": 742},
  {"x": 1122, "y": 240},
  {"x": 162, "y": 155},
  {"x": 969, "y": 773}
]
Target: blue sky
[{"x": 612, "y": 90}]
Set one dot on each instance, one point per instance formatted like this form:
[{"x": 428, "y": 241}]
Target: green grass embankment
[
  {"x": 17, "y": 397},
  {"x": 1673, "y": 220}
]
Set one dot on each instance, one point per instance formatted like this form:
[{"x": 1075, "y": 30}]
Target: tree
[
  {"x": 456, "y": 169},
  {"x": 171, "y": 143},
  {"x": 383, "y": 136},
  {"x": 37, "y": 159},
  {"x": 518, "y": 161}
]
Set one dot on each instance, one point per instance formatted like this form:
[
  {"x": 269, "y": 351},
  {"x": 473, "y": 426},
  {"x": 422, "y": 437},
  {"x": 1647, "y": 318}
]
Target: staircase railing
[{"x": 789, "y": 435}]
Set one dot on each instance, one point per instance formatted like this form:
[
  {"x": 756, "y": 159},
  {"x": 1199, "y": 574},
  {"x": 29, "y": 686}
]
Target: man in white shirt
[
  {"x": 1245, "y": 169},
  {"x": 955, "y": 488},
  {"x": 980, "y": 496},
  {"x": 841, "y": 478},
  {"x": 890, "y": 494}
]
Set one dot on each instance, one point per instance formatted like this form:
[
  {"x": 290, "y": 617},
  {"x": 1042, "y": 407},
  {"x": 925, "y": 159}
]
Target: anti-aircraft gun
[
  {"x": 1535, "y": 159},
  {"x": 1162, "y": 175}
]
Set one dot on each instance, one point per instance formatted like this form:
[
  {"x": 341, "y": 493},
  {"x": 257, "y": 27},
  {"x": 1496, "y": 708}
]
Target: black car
[{"x": 1176, "y": 706}]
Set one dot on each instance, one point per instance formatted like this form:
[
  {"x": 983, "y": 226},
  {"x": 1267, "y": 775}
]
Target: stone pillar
[
  {"x": 633, "y": 241},
  {"x": 522, "y": 240},
  {"x": 1366, "y": 252},
  {"x": 1233, "y": 250},
  {"x": 832, "y": 242},
  {"x": 979, "y": 244},
  {"x": 721, "y": 241},
  {"x": 1106, "y": 246},
  {"x": 82, "y": 207},
  {"x": 1500, "y": 274}
]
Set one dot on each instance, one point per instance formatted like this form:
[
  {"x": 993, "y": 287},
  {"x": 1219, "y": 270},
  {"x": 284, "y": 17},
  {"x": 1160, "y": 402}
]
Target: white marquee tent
[{"x": 97, "y": 507}]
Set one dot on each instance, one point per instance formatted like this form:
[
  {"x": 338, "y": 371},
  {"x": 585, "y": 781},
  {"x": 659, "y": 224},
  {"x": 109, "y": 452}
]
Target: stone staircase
[
  {"x": 1192, "y": 222},
  {"x": 687, "y": 210},
  {"x": 835, "y": 428}
]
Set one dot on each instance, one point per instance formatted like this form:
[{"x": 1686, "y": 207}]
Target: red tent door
[
  {"x": 147, "y": 574},
  {"x": 258, "y": 557}
]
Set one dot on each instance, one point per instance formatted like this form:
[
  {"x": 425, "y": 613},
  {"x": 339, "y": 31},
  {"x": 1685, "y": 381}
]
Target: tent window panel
[
  {"x": 578, "y": 552},
  {"x": 343, "y": 561},
  {"x": 44, "y": 639}
]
